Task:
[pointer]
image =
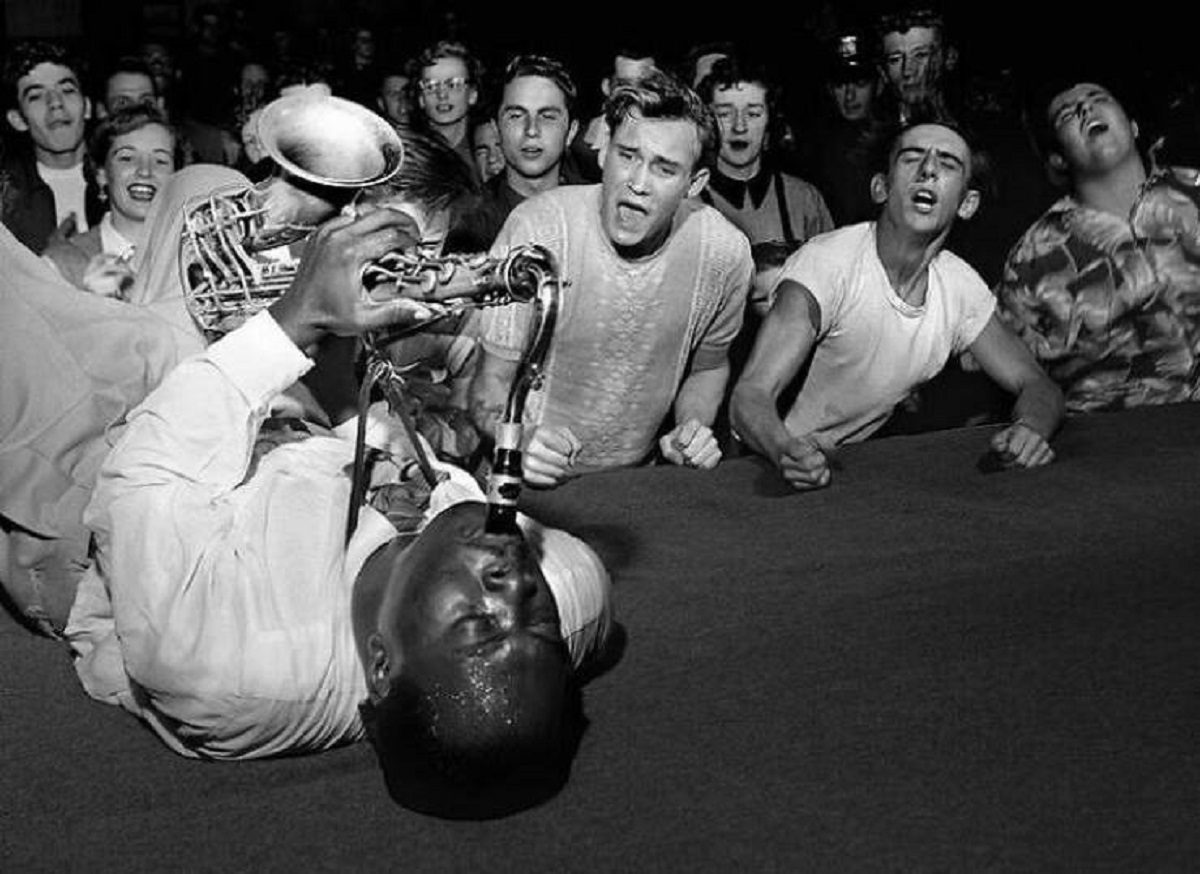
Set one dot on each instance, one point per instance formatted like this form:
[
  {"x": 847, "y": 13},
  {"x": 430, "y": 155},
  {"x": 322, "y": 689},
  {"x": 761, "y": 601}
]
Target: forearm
[
  {"x": 700, "y": 395},
  {"x": 756, "y": 422},
  {"x": 1040, "y": 405}
]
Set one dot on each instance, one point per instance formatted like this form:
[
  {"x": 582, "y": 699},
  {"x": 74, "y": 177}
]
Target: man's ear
[
  {"x": 969, "y": 205},
  {"x": 379, "y": 667},
  {"x": 1136, "y": 130},
  {"x": 17, "y": 120},
  {"x": 879, "y": 189},
  {"x": 606, "y": 85},
  {"x": 474, "y": 95},
  {"x": 87, "y": 108},
  {"x": 572, "y": 130},
  {"x": 1057, "y": 162},
  {"x": 699, "y": 180}
]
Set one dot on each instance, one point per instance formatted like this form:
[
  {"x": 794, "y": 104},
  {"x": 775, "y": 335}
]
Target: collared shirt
[
  {"x": 754, "y": 206},
  {"x": 1111, "y": 306},
  {"x": 112, "y": 241},
  {"x": 218, "y": 609}
]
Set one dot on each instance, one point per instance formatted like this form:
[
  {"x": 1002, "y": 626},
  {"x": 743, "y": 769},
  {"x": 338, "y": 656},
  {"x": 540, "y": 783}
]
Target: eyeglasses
[{"x": 453, "y": 86}]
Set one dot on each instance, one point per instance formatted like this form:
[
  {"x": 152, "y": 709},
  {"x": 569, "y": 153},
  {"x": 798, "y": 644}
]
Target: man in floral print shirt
[{"x": 1105, "y": 286}]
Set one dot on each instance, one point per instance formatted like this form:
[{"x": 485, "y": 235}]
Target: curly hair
[{"x": 29, "y": 53}]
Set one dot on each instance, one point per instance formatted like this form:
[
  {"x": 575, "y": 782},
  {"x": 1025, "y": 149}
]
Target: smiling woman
[{"x": 134, "y": 153}]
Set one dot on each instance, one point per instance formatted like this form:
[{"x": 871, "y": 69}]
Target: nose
[
  {"x": 509, "y": 578},
  {"x": 54, "y": 97},
  {"x": 143, "y": 167},
  {"x": 740, "y": 122},
  {"x": 928, "y": 166},
  {"x": 533, "y": 127},
  {"x": 638, "y": 177}
]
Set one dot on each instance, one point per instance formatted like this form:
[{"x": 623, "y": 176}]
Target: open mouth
[
  {"x": 630, "y": 212},
  {"x": 1094, "y": 128},
  {"x": 141, "y": 192},
  {"x": 924, "y": 200},
  {"x": 531, "y": 152},
  {"x": 739, "y": 145}
]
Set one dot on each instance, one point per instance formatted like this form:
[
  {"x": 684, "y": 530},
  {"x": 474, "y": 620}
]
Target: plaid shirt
[{"x": 1111, "y": 307}]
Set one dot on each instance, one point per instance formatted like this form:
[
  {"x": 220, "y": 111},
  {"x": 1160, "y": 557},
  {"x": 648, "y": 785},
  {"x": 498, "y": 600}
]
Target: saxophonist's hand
[{"x": 327, "y": 295}]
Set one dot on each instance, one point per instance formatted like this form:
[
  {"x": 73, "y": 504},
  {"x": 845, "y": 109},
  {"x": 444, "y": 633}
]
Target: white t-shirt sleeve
[
  {"x": 977, "y": 306},
  {"x": 819, "y": 269}
]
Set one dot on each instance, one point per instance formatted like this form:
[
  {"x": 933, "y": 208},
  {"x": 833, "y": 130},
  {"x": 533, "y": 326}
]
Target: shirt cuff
[{"x": 259, "y": 359}]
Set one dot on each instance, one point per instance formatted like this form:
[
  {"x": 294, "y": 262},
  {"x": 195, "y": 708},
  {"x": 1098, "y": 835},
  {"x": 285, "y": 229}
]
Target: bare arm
[
  {"x": 1038, "y": 410},
  {"x": 784, "y": 342},
  {"x": 692, "y": 442}
]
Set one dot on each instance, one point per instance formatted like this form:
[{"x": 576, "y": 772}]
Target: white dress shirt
[{"x": 219, "y": 609}]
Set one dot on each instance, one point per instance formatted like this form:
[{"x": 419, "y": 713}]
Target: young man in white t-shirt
[
  {"x": 879, "y": 307},
  {"x": 52, "y": 190}
]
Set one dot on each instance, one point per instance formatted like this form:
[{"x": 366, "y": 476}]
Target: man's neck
[
  {"x": 744, "y": 173},
  {"x": 452, "y": 133},
  {"x": 1115, "y": 191},
  {"x": 527, "y": 186},
  {"x": 906, "y": 258},
  {"x": 58, "y": 160}
]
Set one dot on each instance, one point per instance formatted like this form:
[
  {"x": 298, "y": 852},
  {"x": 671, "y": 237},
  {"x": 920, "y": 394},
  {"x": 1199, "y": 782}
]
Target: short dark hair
[
  {"x": 444, "y": 755},
  {"x": 29, "y": 53},
  {"x": 1051, "y": 83},
  {"x": 886, "y": 137},
  {"x": 731, "y": 70},
  {"x": 662, "y": 96},
  {"x": 445, "y": 48},
  {"x": 129, "y": 118},
  {"x": 547, "y": 68}
]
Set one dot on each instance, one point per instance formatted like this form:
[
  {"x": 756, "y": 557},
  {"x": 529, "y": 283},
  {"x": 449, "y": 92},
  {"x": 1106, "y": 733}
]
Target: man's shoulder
[
  {"x": 562, "y": 201},
  {"x": 700, "y": 217},
  {"x": 840, "y": 244},
  {"x": 956, "y": 271},
  {"x": 1050, "y": 229}
]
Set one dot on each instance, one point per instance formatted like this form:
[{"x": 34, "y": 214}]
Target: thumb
[{"x": 687, "y": 432}]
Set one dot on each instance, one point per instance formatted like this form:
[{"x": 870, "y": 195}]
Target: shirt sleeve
[
  {"x": 713, "y": 349},
  {"x": 978, "y": 307},
  {"x": 162, "y": 494},
  {"x": 811, "y": 266},
  {"x": 504, "y": 331},
  {"x": 1020, "y": 301}
]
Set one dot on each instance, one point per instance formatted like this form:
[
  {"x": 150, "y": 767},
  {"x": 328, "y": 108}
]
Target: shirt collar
[
  {"x": 735, "y": 190},
  {"x": 113, "y": 241}
]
